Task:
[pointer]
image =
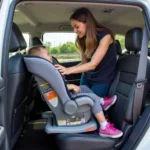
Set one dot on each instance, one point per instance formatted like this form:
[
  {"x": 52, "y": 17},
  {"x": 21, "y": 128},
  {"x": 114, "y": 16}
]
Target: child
[{"x": 106, "y": 129}]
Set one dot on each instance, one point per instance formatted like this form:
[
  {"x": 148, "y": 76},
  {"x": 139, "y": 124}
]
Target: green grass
[{"x": 68, "y": 59}]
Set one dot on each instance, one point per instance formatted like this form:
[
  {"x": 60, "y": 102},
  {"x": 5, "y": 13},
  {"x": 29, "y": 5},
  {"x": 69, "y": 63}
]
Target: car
[{"x": 25, "y": 117}]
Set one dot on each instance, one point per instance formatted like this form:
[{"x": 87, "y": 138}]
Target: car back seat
[{"x": 120, "y": 113}]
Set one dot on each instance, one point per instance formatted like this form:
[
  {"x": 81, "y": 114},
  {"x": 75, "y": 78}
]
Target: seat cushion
[{"x": 88, "y": 141}]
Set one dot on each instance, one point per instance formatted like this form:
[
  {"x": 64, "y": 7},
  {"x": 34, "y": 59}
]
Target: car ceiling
[{"x": 43, "y": 16}]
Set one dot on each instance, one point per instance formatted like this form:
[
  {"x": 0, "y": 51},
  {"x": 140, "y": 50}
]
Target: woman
[{"x": 96, "y": 44}]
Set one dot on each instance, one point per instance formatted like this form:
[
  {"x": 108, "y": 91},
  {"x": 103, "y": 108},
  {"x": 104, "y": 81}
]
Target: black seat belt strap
[{"x": 141, "y": 76}]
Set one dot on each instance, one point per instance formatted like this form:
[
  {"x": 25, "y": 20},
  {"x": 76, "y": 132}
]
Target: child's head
[{"x": 40, "y": 51}]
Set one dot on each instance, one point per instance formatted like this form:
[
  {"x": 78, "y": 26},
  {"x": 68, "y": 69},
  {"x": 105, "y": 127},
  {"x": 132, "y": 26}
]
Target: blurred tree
[
  {"x": 68, "y": 47},
  {"x": 54, "y": 50},
  {"x": 121, "y": 39},
  {"x": 65, "y": 48},
  {"x": 48, "y": 45}
]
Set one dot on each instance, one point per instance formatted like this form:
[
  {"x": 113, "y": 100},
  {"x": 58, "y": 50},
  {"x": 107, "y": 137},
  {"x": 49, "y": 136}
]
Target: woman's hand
[{"x": 63, "y": 70}]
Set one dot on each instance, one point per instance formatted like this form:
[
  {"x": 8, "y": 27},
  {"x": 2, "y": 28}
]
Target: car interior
[{"x": 36, "y": 122}]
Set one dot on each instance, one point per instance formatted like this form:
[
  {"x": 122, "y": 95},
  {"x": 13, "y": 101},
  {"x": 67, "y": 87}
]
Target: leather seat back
[
  {"x": 124, "y": 83},
  {"x": 18, "y": 81}
]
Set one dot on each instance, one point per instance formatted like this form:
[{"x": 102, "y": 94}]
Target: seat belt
[{"x": 141, "y": 77}]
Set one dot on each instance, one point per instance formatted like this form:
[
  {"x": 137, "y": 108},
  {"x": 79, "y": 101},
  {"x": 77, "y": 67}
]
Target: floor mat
[{"x": 35, "y": 138}]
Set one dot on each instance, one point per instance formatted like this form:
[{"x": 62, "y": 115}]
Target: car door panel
[
  {"x": 73, "y": 78},
  {"x": 2, "y": 98},
  {"x": 1, "y": 134}
]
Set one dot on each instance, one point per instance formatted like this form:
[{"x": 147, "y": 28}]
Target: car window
[
  {"x": 62, "y": 46},
  {"x": 27, "y": 38},
  {"x": 121, "y": 39}
]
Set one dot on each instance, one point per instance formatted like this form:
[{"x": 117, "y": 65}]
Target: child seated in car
[{"x": 106, "y": 129}]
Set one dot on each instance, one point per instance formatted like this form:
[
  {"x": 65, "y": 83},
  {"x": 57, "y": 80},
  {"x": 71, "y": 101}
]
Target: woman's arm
[{"x": 96, "y": 58}]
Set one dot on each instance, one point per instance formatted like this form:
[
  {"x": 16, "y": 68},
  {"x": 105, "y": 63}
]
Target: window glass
[
  {"x": 62, "y": 46},
  {"x": 121, "y": 39}
]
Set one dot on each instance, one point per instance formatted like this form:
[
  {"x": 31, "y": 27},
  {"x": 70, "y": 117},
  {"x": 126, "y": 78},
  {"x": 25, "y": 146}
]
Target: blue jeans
[{"x": 99, "y": 89}]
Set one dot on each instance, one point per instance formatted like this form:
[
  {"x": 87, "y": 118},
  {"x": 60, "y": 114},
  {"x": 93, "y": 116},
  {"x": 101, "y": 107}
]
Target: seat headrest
[
  {"x": 17, "y": 40},
  {"x": 36, "y": 41},
  {"x": 133, "y": 39},
  {"x": 118, "y": 48}
]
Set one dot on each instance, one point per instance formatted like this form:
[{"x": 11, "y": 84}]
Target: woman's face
[{"x": 79, "y": 28}]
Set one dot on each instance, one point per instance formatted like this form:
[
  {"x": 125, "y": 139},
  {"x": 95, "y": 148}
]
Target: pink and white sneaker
[
  {"x": 110, "y": 131},
  {"x": 109, "y": 101}
]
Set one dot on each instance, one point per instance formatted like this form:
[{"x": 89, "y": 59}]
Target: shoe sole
[
  {"x": 114, "y": 101},
  {"x": 111, "y": 136}
]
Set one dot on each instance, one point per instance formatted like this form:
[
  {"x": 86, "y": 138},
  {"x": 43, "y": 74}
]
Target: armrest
[
  {"x": 70, "y": 107},
  {"x": 84, "y": 101}
]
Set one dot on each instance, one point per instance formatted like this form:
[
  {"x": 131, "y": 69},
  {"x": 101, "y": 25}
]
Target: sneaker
[
  {"x": 110, "y": 131},
  {"x": 109, "y": 101}
]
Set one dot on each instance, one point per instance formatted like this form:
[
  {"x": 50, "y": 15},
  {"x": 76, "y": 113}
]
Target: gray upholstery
[
  {"x": 82, "y": 101},
  {"x": 67, "y": 111},
  {"x": 121, "y": 112},
  {"x": 45, "y": 72},
  {"x": 53, "y": 128},
  {"x": 18, "y": 79}
]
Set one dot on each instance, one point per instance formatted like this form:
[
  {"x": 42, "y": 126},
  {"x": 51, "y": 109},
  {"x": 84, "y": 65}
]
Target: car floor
[{"x": 35, "y": 138}]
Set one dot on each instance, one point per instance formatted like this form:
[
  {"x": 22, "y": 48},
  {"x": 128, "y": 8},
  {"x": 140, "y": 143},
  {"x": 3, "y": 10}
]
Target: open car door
[
  {"x": 1, "y": 106},
  {"x": 1, "y": 112},
  {"x": 4, "y": 5}
]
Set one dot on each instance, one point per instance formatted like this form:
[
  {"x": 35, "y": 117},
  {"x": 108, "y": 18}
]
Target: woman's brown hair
[{"x": 89, "y": 43}]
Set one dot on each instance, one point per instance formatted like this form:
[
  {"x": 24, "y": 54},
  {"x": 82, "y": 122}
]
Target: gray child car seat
[{"x": 68, "y": 115}]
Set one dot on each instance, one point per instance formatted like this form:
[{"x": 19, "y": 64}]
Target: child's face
[{"x": 45, "y": 54}]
